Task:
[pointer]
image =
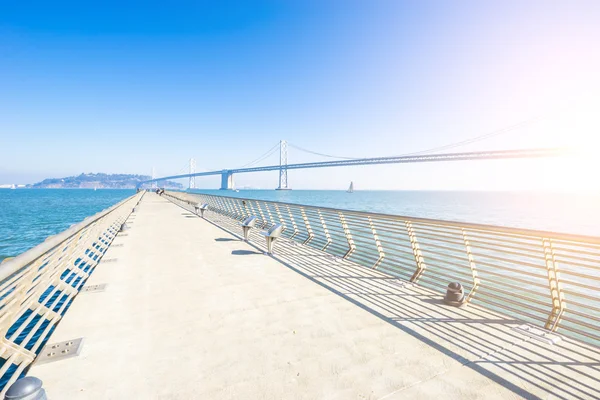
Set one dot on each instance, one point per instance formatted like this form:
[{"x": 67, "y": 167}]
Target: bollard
[
  {"x": 455, "y": 295},
  {"x": 247, "y": 225},
  {"x": 272, "y": 235},
  {"x": 124, "y": 227},
  {"x": 28, "y": 388},
  {"x": 200, "y": 208}
]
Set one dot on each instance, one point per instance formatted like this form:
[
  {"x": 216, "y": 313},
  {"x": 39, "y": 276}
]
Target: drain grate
[
  {"x": 538, "y": 334},
  {"x": 60, "y": 351},
  {"x": 94, "y": 288},
  {"x": 117, "y": 245},
  {"x": 108, "y": 260}
]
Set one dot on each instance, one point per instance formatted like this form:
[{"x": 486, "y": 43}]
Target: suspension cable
[
  {"x": 485, "y": 136},
  {"x": 437, "y": 148},
  {"x": 265, "y": 155},
  {"x": 321, "y": 154}
]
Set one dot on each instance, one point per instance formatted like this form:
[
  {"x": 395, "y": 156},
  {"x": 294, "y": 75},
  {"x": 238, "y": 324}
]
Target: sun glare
[{"x": 579, "y": 132}]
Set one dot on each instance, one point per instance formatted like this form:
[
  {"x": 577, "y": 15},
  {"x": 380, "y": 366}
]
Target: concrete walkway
[{"x": 192, "y": 312}]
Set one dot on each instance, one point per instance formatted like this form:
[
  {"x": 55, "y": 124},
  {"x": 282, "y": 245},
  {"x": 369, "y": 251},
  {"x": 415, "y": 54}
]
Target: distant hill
[{"x": 100, "y": 181}]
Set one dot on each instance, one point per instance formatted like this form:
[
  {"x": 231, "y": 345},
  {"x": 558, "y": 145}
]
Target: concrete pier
[{"x": 191, "y": 311}]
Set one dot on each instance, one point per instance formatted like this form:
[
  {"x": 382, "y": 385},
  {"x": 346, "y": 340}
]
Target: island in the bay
[{"x": 100, "y": 181}]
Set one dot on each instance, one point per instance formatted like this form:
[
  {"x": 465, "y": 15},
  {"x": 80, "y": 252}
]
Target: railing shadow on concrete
[
  {"x": 480, "y": 338},
  {"x": 38, "y": 286},
  {"x": 550, "y": 280}
]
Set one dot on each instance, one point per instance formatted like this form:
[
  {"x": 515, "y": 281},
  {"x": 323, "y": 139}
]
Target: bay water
[{"x": 28, "y": 216}]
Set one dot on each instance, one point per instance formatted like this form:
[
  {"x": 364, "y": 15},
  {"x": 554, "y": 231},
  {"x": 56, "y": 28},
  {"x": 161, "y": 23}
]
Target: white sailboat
[{"x": 351, "y": 188}]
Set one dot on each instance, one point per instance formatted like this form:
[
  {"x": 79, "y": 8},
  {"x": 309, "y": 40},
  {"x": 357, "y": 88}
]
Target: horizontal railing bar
[
  {"x": 426, "y": 249},
  {"x": 510, "y": 260},
  {"x": 590, "y": 246},
  {"x": 517, "y": 311},
  {"x": 496, "y": 266},
  {"x": 512, "y": 295},
  {"x": 580, "y": 332},
  {"x": 484, "y": 272},
  {"x": 587, "y": 307},
  {"x": 558, "y": 250},
  {"x": 396, "y": 244},
  {"x": 577, "y": 264},
  {"x": 567, "y": 318},
  {"x": 564, "y": 272},
  {"x": 578, "y": 284},
  {"x": 501, "y": 248},
  {"x": 448, "y": 274}
]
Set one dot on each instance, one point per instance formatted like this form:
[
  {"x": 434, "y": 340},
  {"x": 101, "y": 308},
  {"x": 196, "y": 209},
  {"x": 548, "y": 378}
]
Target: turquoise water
[
  {"x": 568, "y": 213},
  {"x": 28, "y": 216}
]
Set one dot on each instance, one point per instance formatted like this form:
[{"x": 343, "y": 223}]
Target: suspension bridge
[{"x": 227, "y": 175}]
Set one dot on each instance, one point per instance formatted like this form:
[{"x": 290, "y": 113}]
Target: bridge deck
[{"x": 190, "y": 311}]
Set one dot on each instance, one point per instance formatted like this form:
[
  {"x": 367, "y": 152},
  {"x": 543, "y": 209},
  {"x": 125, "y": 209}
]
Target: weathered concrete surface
[{"x": 192, "y": 312}]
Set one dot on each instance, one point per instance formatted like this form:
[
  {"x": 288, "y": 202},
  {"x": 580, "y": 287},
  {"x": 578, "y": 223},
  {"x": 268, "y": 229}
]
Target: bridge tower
[
  {"x": 192, "y": 184},
  {"x": 227, "y": 180},
  {"x": 283, "y": 172}
]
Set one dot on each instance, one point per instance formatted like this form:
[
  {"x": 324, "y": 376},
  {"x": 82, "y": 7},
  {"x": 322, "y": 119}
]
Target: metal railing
[
  {"x": 37, "y": 287},
  {"x": 550, "y": 280}
]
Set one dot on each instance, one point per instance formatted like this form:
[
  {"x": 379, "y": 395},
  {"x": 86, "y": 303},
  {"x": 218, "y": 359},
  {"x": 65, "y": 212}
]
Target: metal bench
[
  {"x": 200, "y": 208},
  {"x": 272, "y": 235},
  {"x": 248, "y": 224}
]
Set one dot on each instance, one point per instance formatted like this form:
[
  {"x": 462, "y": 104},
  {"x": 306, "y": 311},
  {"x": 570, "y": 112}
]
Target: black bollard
[{"x": 455, "y": 295}]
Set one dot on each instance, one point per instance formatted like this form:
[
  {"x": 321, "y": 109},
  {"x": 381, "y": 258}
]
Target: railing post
[
  {"x": 238, "y": 209},
  {"x": 472, "y": 266},
  {"x": 269, "y": 213},
  {"x": 351, "y": 246},
  {"x": 249, "y": 204},
  {"x": 327, "y": 235},
  {"x": 244, "y": 208},
  {"x": 293, "y": 222},
  {"x": 556, "y": 294},
  {"x": 309, "y": 231},
  {"x": 280, "y": 218},
  {"x": 230, "y": 207},
  {"x": 220, "y": 205},
  {"x": 377, "y": 243},
  {"x": 21, "y": 287},
  {"x": 416, "y": 252},
  {"x": 262, "y": 215},
  {"x": 212, "y": 201}
]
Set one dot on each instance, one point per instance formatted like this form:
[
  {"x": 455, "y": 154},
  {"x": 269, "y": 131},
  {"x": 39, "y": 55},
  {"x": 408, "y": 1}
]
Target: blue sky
[{"x": 125, "y": 86}]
